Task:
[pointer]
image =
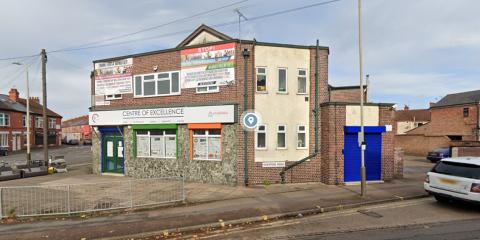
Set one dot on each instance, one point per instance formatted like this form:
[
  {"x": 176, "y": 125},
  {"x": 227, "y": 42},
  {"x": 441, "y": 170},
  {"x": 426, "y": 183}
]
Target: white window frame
[
  {"x": 37, "y": 122},
  {"x": 155, "y": 80},
  {"x": 286, "y": 80},
  {"x": 164, "y": 136},
  {"x": 207, "y": 136},
  {"x": 306, "y": 81},
  {"x": 4, "y": 139},
  {"x": 285, "y": 134},
  {"x": 256, "y": 80},
  {"x": 113, "y": 96},
  {"x": 52, "y": 123},
  {"x": 4, "y": 117},
  {"x": 304, "y": 131},
  {"x": 257, "y": 131},
  {"x": 209, "y": 89}
]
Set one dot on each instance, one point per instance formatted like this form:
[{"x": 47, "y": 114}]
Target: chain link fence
[{"x": 23, "y": 201}]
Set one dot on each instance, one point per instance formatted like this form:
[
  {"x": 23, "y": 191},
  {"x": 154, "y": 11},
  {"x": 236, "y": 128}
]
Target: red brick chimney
[
  {"x": 13, "y": 94},
  {"x": 35, "y": 99}
]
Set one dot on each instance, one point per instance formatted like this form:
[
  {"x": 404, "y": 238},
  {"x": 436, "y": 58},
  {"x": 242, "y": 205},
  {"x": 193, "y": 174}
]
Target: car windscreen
[{"x": 457, "y": 169}]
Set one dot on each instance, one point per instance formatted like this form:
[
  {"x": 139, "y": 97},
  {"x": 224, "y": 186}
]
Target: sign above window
[
  {"x": 208, "y": 66},
  {"x": 113, "y": 77},
  {"x": 174, "y": 115}
]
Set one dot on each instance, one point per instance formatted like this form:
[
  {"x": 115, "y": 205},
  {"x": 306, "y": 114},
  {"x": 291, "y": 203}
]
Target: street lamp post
[
  {"x": 361, "y": 138},
  {"x": 27, "y": 120}
]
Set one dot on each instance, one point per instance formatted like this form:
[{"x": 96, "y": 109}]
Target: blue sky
[{"x": 416, "y": 51}]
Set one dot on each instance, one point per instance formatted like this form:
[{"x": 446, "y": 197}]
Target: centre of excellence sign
[{"x": 174, "y": 115}]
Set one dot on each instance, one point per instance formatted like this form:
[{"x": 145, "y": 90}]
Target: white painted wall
[
  {"x": 280, "y": 108},
  {"x": 371, "y": 116}
]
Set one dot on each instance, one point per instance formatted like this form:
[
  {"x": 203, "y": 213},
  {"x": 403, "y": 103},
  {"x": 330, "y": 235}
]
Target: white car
[{"x": 455, "y": 178}]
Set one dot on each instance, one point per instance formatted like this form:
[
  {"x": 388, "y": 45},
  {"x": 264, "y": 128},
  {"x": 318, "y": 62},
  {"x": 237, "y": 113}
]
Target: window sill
[
  {"x": 261, "y": 92},
  {"x": 261, "y": 149},
  {"x": 206, "y": 92},
  {"x": 207, "y": 160},
  {"x": 302, "y": 94},
  {"x": 176, "y": 94},
  {"x": 302, "y": 148},
  {"x": 281, "y": 148},
  {"x": 149, "y": 157},
  {"x": 282, "y": 93}
]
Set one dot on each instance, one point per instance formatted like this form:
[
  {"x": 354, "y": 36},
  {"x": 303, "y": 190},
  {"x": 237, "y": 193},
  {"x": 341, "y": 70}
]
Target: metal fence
[{"x": 25, "y": 201}]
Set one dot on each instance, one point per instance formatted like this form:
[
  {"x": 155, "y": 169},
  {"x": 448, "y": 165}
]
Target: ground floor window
[
  {"x": 51, "y": 139},
  {"x": 157, "y": 143},
  {"x": 281, "y": 137},
  {"x": 207, "y": 144},
  {"x": 301, "y": 137},
  {"x": 261, "y": 137},
  {"x": 3, "y": 139}
]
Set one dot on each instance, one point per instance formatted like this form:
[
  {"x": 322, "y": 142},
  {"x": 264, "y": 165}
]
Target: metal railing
[{"x": 26, "y": 201}]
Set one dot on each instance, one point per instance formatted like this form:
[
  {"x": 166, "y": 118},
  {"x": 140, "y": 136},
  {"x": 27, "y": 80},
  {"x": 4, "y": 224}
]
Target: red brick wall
[
  {"x": 450, "y": 121},
  {"x": 345, "y": 95},
  {"x": 468, "y": 151},
  {"x": 420, "y": 145},
  {"x": 388, "y": 163}
]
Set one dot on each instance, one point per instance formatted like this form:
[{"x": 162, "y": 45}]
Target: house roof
[
  {"x": 459, "y": 98},
  {"x": 20, "y": 106},
  {"x": 223, "y": 38},
  {"x": 78, "y": 121},
  {"x": 419, "y": 115}
]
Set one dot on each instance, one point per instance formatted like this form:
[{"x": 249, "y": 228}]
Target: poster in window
[
  {"x": 170, "y": 147},
  {"x": 214, "y": 148},
  {"x": 109, "y": 149},
  {"x": 199, "y": 148},
  {"x": 208, "y": 66},
  {"x": 157, "y": 147},
  {"x": 143, "y": 146}
]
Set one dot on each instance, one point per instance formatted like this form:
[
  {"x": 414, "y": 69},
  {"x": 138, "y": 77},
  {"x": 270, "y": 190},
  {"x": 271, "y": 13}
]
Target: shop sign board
[
  {"x": 114, "y": 77},
  {"x": 173, "y": 115},
  {"x": 208, "y": 66}
]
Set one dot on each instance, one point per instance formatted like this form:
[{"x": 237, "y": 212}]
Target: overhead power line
[
  {"x": 214, "y": 25},
  {"x": 154, "y": 27},
  {"x": 88, "y": 45}
]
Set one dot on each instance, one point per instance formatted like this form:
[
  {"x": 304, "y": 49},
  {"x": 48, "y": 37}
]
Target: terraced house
[
  {"x": 176, "y": 112},
  {"x": 13, "y": 130}
]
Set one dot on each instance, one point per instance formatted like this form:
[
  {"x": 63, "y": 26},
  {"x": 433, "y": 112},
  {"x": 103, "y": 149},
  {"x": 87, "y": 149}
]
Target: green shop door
[{"x": 113, "y": 160}]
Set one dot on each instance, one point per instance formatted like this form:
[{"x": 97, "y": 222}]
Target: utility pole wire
[
  {"x": 154, "y": 27},
  {"x": 190, "y": 30}
]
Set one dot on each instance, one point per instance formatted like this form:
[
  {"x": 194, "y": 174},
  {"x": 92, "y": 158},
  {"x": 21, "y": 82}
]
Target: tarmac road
[
  {"x": 74, "y": 155},
  {"x": 415, "y": 219}
]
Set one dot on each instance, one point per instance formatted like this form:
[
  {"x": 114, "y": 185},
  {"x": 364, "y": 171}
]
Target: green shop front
[{"x": 162, "y": 142}]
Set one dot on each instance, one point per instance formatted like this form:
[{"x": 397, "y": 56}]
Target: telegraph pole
[
  {"x": 45, "y": 118},
  {"x": 361, "y": 137}
]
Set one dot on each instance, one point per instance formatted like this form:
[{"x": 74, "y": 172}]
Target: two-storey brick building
[
  {"x": 176, "y": 112},
  {"x": 13, "y": 129}
]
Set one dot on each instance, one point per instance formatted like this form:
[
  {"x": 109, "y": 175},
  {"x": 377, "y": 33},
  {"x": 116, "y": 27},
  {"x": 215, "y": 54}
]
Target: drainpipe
[
  {"x": 245, "y": 54},
  {"x": 478, "y": 121},
  {"x": 315, "y": 112}
]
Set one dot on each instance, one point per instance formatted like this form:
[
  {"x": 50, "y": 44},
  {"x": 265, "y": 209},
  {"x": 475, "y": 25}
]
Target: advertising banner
[
  {"x": 173, "y": 115},
  {"x": 208, "y": 66},
  {"x": 113, "y": 77}
]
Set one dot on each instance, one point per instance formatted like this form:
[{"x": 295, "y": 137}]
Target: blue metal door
[{"x": 373, "y": 154}]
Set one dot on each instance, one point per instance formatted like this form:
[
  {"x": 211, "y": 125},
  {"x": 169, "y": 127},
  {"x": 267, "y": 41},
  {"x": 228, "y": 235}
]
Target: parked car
[
  {"x": 87, "y": 142},
  {"x": 73, "y": 142},
  {"x": 3, "y": 151},
  {"x": 455, "y": 178},
  {"x": 438, "y": 154}
]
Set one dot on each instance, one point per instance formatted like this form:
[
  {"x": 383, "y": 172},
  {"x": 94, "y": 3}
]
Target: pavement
[{"x": 208, "y": 204}]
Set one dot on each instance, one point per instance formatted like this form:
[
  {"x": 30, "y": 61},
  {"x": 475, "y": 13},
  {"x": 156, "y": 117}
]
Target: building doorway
[{"x": 113, "y": 154}]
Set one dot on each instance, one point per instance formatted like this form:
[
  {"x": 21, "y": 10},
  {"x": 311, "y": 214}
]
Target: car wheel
[{"x": 441, "y": 199}]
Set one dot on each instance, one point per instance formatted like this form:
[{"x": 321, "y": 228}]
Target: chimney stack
[
  {"x": 13, "y": 94},
  {"x": 431, "y": 104},
  {"x": 406, "y": 107},
  {"x": 35, "y": 99}
]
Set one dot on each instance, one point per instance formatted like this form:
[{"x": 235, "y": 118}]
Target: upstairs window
[
  {"x": 208, "y": 89},
  {"x": 302, "y": 81},
  {"x": 39, "y": 122},
  {"x": 157, "y": 84},
  {"x": 261, "y": 79},
  {"x": 466, "y": 112},
  {"x": 113, "y": 96},
  {"x": 52, "y": 123},
  {"x": 282, "y": 80},
  {"x": 4, "y": 120}
]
